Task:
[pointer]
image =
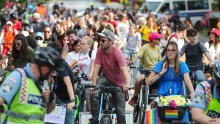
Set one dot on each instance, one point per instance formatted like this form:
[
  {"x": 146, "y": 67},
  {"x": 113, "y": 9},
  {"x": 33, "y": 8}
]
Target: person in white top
[
  {"x": 86, "y": 65},
  {"x": 131, "y": 49},
  {"x": 163, "y": 29},
  {"x": 213, "y": 45},
  {"x": 179, "y": 35},
  {"x": 123, "y": 25},
  {"x": 73, "y": 56}
]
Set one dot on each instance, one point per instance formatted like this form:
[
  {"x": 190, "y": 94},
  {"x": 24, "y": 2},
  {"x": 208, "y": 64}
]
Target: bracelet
[{"x": 72, "y": 100}]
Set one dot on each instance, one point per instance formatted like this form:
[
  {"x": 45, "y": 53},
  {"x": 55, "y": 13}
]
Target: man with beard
[
  {"x": 206, "y": 102},
  {"x": 38, "y": 24},
  {"x": 115, "y": 74},
  {"x": 24, "y": 92},
  {"x": 60, "y": 33}
]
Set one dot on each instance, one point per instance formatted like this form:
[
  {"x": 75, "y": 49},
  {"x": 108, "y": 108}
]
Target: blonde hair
[
  {"x": 88, "y": 39},
  {"x": 167, "y": 35},
  {"x": 154, "y": 21}
]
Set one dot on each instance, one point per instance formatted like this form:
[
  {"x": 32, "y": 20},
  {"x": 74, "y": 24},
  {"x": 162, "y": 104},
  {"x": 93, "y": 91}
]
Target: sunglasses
[
  {"x": 171, "y": 50},
  {"x": 103, "y": 40},
  {"x": 192, "y": 35},
  {"x": 38, "y": 38},
  {"x": 163, "y": 29},
  {"x": 46, "y": 31},
  {"x": 157, "y": 39},
  {"x": 18, "y": 44}
]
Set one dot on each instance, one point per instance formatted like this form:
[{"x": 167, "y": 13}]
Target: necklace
[{"x": 170, "y": 82}]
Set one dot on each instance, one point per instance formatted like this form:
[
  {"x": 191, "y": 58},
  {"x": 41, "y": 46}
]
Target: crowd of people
[{"x": 59, "y": 46}]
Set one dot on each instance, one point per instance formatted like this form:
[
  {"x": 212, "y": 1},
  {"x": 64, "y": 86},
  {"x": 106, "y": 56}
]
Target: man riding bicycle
[
  {"x": 23, "y": 90},
  {"x": 206, "y": 100},
  {"x": 115, "y": 74}
]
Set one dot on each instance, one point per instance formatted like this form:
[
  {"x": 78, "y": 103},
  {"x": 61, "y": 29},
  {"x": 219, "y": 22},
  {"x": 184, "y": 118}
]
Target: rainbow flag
[
  {"x": 74, "y": 64},
  {"x": 171, "y": 114},
  {"x": 151, "y": 116}
]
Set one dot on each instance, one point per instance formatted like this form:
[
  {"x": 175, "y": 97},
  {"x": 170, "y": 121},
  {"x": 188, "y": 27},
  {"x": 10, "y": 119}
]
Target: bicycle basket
[
  {"x": 171, "y": 107},
  {"x": 167, "y": 114}
]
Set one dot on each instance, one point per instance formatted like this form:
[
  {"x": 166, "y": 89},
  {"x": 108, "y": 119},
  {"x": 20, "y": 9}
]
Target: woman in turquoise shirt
[{"x": 170, "y": 73}]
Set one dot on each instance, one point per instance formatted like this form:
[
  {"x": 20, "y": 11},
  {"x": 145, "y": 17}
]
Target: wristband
[{"x": 72, "y": 100}]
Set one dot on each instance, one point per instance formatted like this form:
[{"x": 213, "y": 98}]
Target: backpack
[{"x": 173, "y": 35}]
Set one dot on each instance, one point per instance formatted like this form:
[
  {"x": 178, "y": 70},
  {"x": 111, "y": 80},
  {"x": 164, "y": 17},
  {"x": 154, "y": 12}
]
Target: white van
[{"x": 195, "y": 9}]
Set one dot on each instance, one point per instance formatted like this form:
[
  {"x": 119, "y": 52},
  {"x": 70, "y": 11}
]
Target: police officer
[
  {"x": 206, "y": 101},
  {"x": 23, "y": 91}
]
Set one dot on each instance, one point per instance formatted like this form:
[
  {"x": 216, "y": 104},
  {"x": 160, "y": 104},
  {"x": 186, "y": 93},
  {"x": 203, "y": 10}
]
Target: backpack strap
[
  {"x": 174, "y": 35},
  {"x": 207, "y": 88},
  {"x": 90, "y": 53},
  {"x": 23, "y": 96}
]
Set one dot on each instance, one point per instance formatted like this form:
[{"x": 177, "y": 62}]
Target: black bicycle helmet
[
  {"x": 216, "y": 70},
  {"x": 191, "y": 32},
  {"x": 48, "y": 56}
]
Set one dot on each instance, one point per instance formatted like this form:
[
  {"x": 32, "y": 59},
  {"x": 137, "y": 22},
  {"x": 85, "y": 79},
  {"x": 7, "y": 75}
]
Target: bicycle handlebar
[
  {"x": 138, "y": 68},
  {"x": 198, "y": 66},
  {"x": 132, "y": 52},
  {"x": 109, "y": 88}
]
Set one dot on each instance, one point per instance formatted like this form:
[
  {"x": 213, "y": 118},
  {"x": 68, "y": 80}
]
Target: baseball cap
[
  {"x": 215, "y": 31},
  {"x": 107, "y": 33},
  {"x": 36, "y": 15},
  {"x": 180, "y": 27},
  {"x": 30, "y": 6},
  {"x": 154, "y": 35},
  {"x": 39, "y": 34},
  {"x": 9, "y": 23},
  {"x": 25, "y": 33}
]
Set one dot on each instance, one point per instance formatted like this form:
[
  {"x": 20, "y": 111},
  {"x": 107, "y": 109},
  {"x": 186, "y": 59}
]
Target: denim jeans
[
  {"x": 136, "y": 64},
  {"x": 200, "y": 75},
  {"x": 118, "y": 103},
  {"x": 69, "y": 119}
]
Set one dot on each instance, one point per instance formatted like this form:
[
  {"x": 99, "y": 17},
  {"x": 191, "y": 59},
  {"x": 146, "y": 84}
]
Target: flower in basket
[{"x": 173, "y": 104}]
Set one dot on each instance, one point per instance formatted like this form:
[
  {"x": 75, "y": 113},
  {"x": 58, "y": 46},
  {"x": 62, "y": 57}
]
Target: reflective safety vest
[
  {"x": 212, "y": 104},
  {"x": 28, "y": 18},
  {"x": 27, "y": 106},
  {"x": 213, "y": 109}
]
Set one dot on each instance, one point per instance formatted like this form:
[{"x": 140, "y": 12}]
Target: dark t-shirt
[
  {"x": 21, "y": 62},
  {"x": 60, "y": 38},
  {"x": 60, "y": 88},
  {"x": 38, "y": 26},
  {"x": 193, "y": 53}
]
